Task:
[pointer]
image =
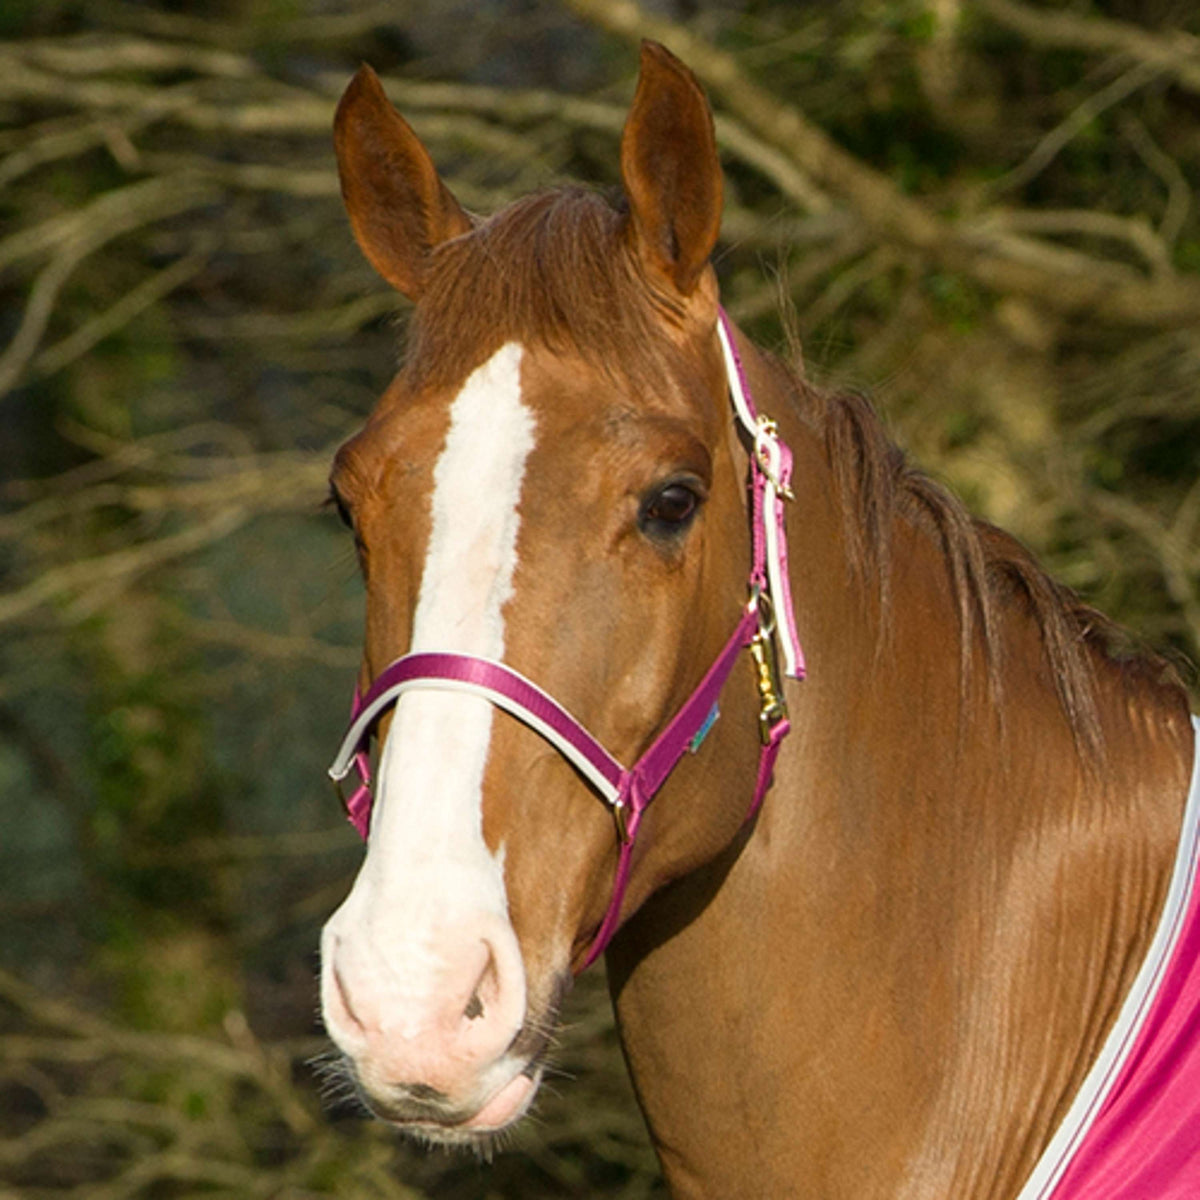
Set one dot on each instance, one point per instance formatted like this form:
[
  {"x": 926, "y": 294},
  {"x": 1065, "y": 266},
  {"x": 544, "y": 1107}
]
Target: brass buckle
[{"x": 772, "y": 708}]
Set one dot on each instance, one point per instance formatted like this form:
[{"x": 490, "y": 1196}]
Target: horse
[{"x": 884, "y": 955}]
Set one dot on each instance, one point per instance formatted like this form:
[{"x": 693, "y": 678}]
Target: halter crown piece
[{"x": 767, "y": 628}]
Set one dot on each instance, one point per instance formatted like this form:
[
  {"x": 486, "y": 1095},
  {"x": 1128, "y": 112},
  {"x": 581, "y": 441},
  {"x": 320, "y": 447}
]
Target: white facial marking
[
  {"x": 477, "y": 488},
  {"x": 427, "y": 861}
]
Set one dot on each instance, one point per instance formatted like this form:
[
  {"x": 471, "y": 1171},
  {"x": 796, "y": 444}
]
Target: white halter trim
[{"x": 776, "y": 462}]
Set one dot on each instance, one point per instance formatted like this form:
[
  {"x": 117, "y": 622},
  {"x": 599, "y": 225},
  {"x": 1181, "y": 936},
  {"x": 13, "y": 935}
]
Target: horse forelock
[{"x": 552, "y": 269}]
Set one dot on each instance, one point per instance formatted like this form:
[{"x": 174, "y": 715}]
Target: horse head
[{"x": 554, "y": 481}]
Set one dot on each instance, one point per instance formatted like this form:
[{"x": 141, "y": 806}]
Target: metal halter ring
[
  {"x": 766, "y": 433},
  {"x": 760, "y": 602}
]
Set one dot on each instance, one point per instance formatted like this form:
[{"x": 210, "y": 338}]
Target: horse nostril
[{"x": 486, "y": 993}]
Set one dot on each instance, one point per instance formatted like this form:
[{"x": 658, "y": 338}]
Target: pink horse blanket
[{"x": 1133, "y": 1131}]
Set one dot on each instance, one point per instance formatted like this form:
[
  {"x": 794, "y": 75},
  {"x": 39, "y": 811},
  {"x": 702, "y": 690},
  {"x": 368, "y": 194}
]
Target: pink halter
[{"x": 767, "y": 627}]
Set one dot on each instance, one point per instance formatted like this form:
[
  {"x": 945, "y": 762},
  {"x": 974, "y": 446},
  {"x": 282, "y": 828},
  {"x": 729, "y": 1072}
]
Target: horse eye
[
  {"x": 668, "y": 510},
  {"x": 339, "y": 506}
]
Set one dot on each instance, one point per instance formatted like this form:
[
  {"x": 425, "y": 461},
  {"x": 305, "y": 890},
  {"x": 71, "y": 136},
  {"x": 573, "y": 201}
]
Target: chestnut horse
[{"x": 892, "y": 980}]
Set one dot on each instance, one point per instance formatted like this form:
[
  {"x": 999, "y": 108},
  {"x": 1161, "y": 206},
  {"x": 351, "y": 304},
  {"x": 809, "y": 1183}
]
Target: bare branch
[
  {"x": 92, "y": 580},
  {"x": 1134, "y": 232},
  {"x": 37, "y": 313},
  {"x": 1174, "y": 555},
  {"x": 110, "y": 215},
  {"x": 99, "y": 54},
  {"x": 1176, "y": 54},
  {"x": 147, "y": 293},
  {"x": 780, "y": 125},
  {"x": 313, "y": 325},
  {"x": 890, "y": 214},
  {"x": 114, "y": 457},
  {"x": 1045, "y": 152},
  {"x": 88, "y": 230},
  {"x": 325, "y": 27},
  {"x": 849, "y": 281},
  {"x": 64, "y": 140},
  {"x": 1179, "y": 192},
  {"x": 20, "y": 81}
]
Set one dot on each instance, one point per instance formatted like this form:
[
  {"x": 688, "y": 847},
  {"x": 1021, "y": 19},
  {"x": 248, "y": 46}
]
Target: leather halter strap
[{"x": 767, "y": 622}]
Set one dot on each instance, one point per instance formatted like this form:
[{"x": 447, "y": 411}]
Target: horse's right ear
[
  {"x": 399, "y": 209},
  {"x": 671, "y": 171}
]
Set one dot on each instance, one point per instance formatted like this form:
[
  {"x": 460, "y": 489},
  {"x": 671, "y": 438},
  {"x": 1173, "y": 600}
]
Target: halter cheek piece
[{"x": 767, "y": 627}]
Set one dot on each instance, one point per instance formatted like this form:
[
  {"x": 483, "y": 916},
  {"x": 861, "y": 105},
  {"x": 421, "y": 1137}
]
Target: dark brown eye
[{"x": 669, "y": 509}]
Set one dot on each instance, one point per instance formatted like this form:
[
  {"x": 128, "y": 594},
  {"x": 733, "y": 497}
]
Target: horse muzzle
[{"x": 433, "y": 1028}]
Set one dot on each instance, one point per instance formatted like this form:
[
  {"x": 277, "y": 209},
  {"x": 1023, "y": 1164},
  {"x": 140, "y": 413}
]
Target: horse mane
[
  {"x": 543, "y": 271},
  {"x": 990, "y": 570}
]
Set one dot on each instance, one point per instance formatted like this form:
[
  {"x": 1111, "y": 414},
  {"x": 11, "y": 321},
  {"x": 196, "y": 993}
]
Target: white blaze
[{"x": 427, "y": 863}]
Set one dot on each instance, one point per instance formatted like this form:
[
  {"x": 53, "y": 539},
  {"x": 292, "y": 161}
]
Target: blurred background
[{"x": 981, "y": 212}]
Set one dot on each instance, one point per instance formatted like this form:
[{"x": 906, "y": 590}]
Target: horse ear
[
  {"x": 399, "y": 209},
  {"x": 670, "y": 169}
]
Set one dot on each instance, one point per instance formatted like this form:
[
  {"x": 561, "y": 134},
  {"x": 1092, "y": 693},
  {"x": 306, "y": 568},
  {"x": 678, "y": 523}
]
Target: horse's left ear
[{"x": 670, "y": 170}]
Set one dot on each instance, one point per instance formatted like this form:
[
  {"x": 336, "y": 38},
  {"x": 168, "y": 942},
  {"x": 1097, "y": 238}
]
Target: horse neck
[{"x": 927, "y": 886}]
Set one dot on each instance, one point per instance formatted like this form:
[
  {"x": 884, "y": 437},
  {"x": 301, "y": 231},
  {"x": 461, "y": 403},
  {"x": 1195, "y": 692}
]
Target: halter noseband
[{"x": 767, "y": 627}]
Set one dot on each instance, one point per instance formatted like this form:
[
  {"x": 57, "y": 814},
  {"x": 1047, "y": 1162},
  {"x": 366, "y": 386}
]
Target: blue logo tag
[{"x": 702, "y": 732}]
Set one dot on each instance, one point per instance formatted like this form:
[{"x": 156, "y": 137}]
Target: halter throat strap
[{"x": 766, "y": 627}]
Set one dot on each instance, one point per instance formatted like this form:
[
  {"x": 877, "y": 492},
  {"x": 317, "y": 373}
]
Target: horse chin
[
  {"x": 485, "y": 1130},
  {"x": 481, "y": 1131}
]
